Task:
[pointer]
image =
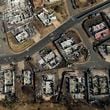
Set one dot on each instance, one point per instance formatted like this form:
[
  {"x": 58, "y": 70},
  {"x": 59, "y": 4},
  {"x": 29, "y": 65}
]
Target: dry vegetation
[
  {"x": 43, "y": 106},
  {"x": 86, "y": 3},
  {"x": 49, "y": 106},
  {"x": 18, "y": 47}
]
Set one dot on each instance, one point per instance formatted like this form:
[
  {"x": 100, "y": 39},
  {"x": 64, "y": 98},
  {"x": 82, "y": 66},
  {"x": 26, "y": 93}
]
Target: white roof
[
  {"x": 51, "y": 1},
  {"x": 27, "y": 77},
  {"x": 22, "y": 36},
  {"x": 66, "y": 43},
  {"x": 8, "y": 77},
  {"x": 49, "y": 56},
  {"x": 50, "y": 77},
  {"x": 46, "y": 18},
  {"x": 48, "y": 87},
  {"x": 99, "y": 26},
  {"x": 68, "y": 51},
  {"x": 7, "y": 89},
  {"x": 72, "y": 85},
  {"x": 2, "y": 96},
  {"x": 41, "y": 62}
]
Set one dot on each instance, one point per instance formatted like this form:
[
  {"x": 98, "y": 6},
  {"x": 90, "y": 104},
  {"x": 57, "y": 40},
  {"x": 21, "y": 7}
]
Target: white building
[
  {"x": 21, "y": 37},
  {"x": 27, "y": 77},
  {"x": 46, "y": 17},
  {"x": 50, "y": 60}
]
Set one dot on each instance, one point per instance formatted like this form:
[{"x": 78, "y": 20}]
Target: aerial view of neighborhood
[{"x": 54, "y": 54}]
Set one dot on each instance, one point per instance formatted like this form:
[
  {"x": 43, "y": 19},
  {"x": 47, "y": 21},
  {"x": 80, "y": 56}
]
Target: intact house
[
  {"x": 23, "y": 33},
  {"x": 46, "y": 17},
  {"x": 100, "y": 30},
  {"x": 97, "y": 27}
]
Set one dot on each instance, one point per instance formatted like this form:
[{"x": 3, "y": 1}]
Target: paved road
[
  {"x": 95, "y": 59},
  {"x": 55, "y": 34},
  {"x": 71, "y": 10}
]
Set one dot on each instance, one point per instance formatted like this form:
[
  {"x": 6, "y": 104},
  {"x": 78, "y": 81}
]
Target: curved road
[{"x": 55, "y": 34}]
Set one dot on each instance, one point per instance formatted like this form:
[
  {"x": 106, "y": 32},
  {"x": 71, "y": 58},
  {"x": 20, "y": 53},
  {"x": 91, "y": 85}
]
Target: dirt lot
[
  {"x": 44, "y": 106},
  {"x": 48, "y": 106},
  {"x": 3, "y": 108},
  {"x": 20, "y": 47},
  {"x": 38, "y": 3}
]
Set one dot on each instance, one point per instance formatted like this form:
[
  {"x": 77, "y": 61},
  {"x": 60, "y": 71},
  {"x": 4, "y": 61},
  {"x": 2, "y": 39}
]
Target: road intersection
[{"x": 95, "y": 59}]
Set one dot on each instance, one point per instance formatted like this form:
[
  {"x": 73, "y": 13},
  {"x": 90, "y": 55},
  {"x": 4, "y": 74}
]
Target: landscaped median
[{"x": 18, "y": 47}]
